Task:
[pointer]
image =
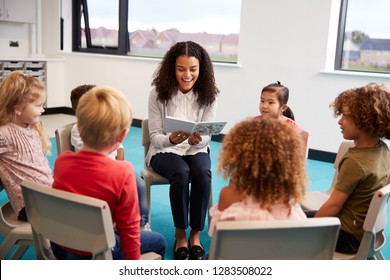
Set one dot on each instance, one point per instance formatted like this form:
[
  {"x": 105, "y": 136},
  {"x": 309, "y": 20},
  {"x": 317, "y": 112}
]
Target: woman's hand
[
  {"x": 194, "y": 139},
  {"x": 179, "y": 136}
]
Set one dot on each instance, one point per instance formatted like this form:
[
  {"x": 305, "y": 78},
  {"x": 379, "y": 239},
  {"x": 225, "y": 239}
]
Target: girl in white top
[
  {"x": 264, "y": 161},
  {"x": 23, "y": 141}
]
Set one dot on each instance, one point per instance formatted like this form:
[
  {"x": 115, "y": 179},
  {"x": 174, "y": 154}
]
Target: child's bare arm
[{"x": 333, "y": 205}]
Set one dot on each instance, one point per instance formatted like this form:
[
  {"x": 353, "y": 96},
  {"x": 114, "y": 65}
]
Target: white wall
[
  {"x": 17, "y": 32},
  {"x": 283, "y": 40}
]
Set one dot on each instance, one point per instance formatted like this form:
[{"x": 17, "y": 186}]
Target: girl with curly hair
[
  {"x": 24, "y": 143},
  {"x": 184, "y": 87},
  {"x": 365, "y": 119},
  {"x": 264, "y": 161},
  {"x": 273, "y": 104}
]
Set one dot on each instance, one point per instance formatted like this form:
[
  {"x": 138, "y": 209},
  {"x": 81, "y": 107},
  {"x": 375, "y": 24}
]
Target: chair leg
[
  {"x": 379, "y": 256},
  {"x": 148, "y": 196},
  {"x": 19, "y": 252},
  {"x": 210, "y": 205},
  {"x": 19, "y": 237},
  {"x": 6, "y": 247}
]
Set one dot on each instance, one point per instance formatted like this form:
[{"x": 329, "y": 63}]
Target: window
[
  {"x": 150, "y": 28},
  {"x": 364, "y": 36},
  {"x": 99, "y": 26}
]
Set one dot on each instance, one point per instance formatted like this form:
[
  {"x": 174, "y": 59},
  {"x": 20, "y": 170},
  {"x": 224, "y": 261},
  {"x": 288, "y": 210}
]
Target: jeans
[
  {"x": 142, "y": 200},
  {"x": 150, "y": 242},
  {"x": 181, "y": 170}
]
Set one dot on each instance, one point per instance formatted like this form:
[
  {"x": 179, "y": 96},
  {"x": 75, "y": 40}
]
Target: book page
[
  {"x": 172, "y": 124},
  {"x": 209, "y": 128}
]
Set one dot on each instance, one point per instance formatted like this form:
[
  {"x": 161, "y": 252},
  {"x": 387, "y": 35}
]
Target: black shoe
[
  {"x": 196, "y": 252},
  {"x": 181, "y": 253}
]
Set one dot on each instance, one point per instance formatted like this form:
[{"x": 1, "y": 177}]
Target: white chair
[
  {"x": 305, "y": 138},
  {"x": 16, "y": 233},
  {"x": 374, "y": 238},
  {"x": 151, "y": 177},
  {"x": 313, "y": 200},
  {"x": 309, "y": 239},
  {"x": 63, "y": 138},
  {"x": 72, "y": 220}
]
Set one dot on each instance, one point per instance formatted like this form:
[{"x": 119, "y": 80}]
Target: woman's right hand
[{"x": 179, "y": 136}]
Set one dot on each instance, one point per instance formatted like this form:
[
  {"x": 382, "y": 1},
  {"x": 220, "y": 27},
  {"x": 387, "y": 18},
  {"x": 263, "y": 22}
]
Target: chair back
[
  {"x": 343, "y": 148},
  {"x": 305, "y": 138},
  {"x": 374, "y": 238},
  {"x": 68, "y": 219},
  {"x": 63, "y": 138},
  {"x": 275, "y": 240},
  {"x": 315, "y": 199}
]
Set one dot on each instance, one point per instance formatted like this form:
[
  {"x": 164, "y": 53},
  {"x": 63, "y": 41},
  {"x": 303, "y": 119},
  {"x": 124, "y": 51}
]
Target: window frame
[
  {"x": 340, "y": 36},
  {"x": 339, "y": 52},
  {"x": 123, "y": 35},
  {"x": 124, "y": 48}
]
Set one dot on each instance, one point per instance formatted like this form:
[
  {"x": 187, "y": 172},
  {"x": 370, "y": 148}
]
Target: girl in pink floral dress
[{"x": 23, "y": 141}]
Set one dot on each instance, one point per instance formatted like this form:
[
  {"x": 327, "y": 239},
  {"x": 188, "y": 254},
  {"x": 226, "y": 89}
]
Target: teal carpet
[{"x": 320, "y": 175}]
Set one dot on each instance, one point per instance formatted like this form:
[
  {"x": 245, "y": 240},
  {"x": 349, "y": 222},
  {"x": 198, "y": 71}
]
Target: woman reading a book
[{"x": 184, "y": 87}]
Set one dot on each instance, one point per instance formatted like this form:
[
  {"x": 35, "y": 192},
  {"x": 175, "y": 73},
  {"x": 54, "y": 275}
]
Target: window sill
[
  {"x": 355, "y": 74},
  {"x": 140, "y": 58}
]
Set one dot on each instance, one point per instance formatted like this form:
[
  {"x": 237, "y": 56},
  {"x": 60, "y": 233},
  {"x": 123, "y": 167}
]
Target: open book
[{"x": 172, "y": 124}]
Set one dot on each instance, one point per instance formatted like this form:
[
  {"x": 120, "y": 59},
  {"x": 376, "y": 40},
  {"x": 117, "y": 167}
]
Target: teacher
[{"x": 184, "y": 87}]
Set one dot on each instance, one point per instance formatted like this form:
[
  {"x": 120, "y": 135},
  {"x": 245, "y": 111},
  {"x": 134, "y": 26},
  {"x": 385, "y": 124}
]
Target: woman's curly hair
[
  {"x": 264, "y": 159},
  {"x": 368, "y": 107},
  {"x": 164, "y": 78}
]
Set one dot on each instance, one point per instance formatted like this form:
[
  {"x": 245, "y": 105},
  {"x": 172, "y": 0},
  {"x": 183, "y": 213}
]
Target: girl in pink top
[
  {"x": 23, "y": 141},
  {"x": 264, "y": 161},
  {"x": 273, "y": 104}
]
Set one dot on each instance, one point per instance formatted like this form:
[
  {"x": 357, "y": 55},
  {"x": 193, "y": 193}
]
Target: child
[
  {"x": 273, "y": 104},
  {"x": 118, "y": 154},
  {"x": 23, "y": 141},
  {"x": 263, "y": 159},
  {"x": 365, "y": 119},
  {"x": 75, "y": 138},
  {"x": 104, "y": 117}
]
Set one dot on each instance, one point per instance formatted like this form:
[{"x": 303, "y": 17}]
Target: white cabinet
[
  {"x": 24, "y": 11},
  {"x": 1, "y": 9},
  {"x": 50, "y": 72}
]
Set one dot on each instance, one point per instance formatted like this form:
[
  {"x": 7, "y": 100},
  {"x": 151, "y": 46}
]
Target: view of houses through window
[
  {"x": 366, "y": 42},
  {"x": 154, "y": 26}
]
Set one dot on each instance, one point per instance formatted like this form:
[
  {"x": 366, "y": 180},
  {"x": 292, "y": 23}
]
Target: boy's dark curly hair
[
  {"x": 77, "y": 92},
  {"x": 368, "y": 107},
  {"x": 164, "y": 78},
  {"x": 264, "y": 159}
]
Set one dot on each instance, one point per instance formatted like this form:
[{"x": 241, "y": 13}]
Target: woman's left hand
[{"x": 194, "y": 139}]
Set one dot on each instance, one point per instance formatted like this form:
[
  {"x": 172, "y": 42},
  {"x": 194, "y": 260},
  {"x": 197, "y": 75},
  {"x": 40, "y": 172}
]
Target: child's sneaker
[{"x": 146, "y": 227}]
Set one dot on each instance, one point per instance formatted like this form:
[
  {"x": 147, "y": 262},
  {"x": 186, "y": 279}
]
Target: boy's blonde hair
[
  {"x": 19, "y": 89},
  {"x": 102, "y": 114},
  {"x": 264, "y": 159}
]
